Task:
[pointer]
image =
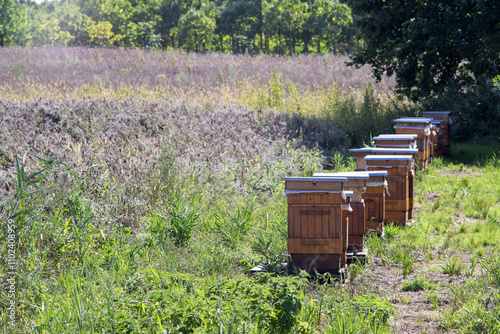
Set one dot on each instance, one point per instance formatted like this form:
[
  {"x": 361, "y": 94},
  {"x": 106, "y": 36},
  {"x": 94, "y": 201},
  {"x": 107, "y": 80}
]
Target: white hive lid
[
  {"x": 388, "y": 157},
  {"x": 423, "y": 120},
  {"x": 377, "y": 173},
  {"x": 364, "y": 149},
  {"x": 396, "y": 137},
  {"x": 349, "y": 175},
  {"x": 315, "y": 179}
]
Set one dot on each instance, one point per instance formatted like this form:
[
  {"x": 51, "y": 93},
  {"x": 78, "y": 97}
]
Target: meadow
[{"x": 141, "y": 187}]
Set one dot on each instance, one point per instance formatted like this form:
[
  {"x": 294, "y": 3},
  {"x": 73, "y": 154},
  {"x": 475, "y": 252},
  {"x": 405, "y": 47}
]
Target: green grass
[{"x": 419, "y": 283}]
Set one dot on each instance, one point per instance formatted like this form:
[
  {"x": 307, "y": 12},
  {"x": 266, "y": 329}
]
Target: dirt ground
[{"x": 414, "y": 311}]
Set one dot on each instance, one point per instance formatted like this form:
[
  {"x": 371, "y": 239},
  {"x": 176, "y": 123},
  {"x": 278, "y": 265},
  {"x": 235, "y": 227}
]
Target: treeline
[{"x": 237, "y": 26}]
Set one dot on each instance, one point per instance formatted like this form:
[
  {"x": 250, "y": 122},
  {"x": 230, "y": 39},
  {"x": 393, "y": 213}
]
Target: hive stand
[
  {"x": 447, "y": 122},
  {"x": 420, "y": 126},
  {"x": 374, "y": 198},
  {"x": 397, "y": 203},
  {"x": 359, "y": 155},
  {"x": 317, "y": 237},
  {"x": 356, "y": 182}
]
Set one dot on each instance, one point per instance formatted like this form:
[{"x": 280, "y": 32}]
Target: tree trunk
[{"x": 306, "y": 42}]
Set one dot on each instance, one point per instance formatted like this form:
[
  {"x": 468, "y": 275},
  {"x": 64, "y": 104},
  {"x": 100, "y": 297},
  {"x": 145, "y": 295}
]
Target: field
[{"x": 138, "y": 188}]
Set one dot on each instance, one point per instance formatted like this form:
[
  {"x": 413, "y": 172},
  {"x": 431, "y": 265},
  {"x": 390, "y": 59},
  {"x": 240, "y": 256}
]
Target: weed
[
  {"x": 232, "y": 228},
  {"x": 453, "y": 266},
  {"x": 492, "y": 267},
  {"x": 433, "y": 298},
  {"x": 407, "y": 261},
  {"x": 419, "y": 283}
]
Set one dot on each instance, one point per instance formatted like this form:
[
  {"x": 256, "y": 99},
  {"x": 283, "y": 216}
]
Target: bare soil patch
[{"x": 414, "y": 311}]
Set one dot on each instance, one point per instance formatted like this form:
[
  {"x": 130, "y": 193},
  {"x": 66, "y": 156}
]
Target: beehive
[
  {"x": 447, "y": 122},
  {"x": 437, "y": 137},
  {"x": 411, "y": 172},
  {"x": 316, "y": 235},
  {"x": 374, "y": 199},
  {"x": 396, "y": 141},
  {"x": 420, "y": 126},
  {"x": 397, "y": 202},
  {"x": 356, "y": 182}
]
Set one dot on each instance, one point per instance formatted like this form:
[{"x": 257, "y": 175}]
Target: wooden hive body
[
  {"x": 397, "y": 200},
  {"x": 420, "y": 126},
  {"x": 411, "y": 171},
  {"x": 397, "y": 141},
  {"x": 316, "y": 235},
  {"x": 437, "y": 137},
  {"x": 356, "y": 182},
  {"x": 446, "y": 135}
]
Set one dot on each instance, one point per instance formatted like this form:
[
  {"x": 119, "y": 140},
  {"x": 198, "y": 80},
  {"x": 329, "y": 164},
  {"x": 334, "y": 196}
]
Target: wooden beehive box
[
  {"x": 315, "y": 230},
  {"x": 437, "y": 131},
  {"x": 374, "y": 199},
  {"x": 447, "y": 122},
  {"x": 396, "y": 141},
  {"x": 356, "y": 182},
  {"x": 397, "y": 201},
  {"x": 411, "y": 172},
  {"x": 421, "y": 126},
  {"x": 359, "y": 155}
]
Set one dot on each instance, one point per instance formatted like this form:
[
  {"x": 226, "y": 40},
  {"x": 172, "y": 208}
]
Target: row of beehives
[{"x": 329, "y": 213}]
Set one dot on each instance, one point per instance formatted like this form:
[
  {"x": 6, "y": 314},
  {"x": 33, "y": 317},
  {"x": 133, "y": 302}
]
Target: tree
[
  {"x": 196, "y": 27},
  {"x": 242, "y": 20},
  {"x": 13, "y": 22},
  {"x": 439, "y": 50}
]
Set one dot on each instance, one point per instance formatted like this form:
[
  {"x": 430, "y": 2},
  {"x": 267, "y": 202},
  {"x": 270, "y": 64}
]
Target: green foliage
[
  {"x": 419, "y": 283},
  {"x": 453, "y": 266},
  {"x": 407, "y": 260},
  {"x": 273, "y": 26},
  {"x": 365, "y": 314},
  {"x": 432, "y": 49},
  {"x": 232, "y": 228}
]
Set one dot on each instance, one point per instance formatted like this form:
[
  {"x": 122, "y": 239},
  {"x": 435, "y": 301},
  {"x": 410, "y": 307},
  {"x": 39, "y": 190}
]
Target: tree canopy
[
  {"x": 269, "y": 26},
  {"x": 444, "y": 53}
]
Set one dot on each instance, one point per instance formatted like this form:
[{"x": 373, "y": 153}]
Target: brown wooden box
[
  {"x": 398, "y": 168},
  {"x": 396, "y": 140},
  {"x": 437, "y": 137},
  {"x": 356, "y": 182},
  {"x": 445, "y": 117},
  {"x": 374, "y": 199},
  {"x": 315, "y": 230},
  {"x": 420, "y": 126}
]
